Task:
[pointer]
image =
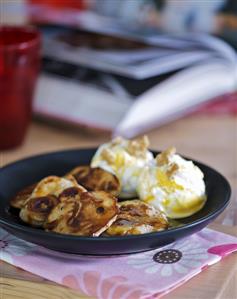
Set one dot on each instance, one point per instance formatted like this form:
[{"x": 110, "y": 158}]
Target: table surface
[{"x": 211, "y": 140}]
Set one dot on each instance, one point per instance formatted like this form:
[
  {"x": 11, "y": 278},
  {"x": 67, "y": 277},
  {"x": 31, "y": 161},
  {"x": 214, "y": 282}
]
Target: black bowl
[{"x": 18, "y": 175}]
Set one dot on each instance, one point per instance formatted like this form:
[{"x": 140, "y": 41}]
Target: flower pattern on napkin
[
  {"x": 93, "y": 284},
  {"x": 11, "y": 246},
  {"x": 179, "y": 258}
]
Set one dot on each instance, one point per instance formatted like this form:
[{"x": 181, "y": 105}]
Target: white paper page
[
  {"x": 78, "y": 103},
  {"x": 129, "y": 56},
  {"x": 216, "y": 45},
  {"x": 178, "y": 42},
  {"x": 176, "y": 96},
  {"x": 153, "y": 67}
]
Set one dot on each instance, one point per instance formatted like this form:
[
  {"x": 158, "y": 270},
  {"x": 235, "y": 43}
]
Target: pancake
[
  {"x": 36, "y": 209},
  {"x": 19, "y": 200},
  {"x": 96, "y": 179},
  {"x": 52, "y": 185},
  {"x": 136, "y": 217},
  {"x": 82, "y": 213}
]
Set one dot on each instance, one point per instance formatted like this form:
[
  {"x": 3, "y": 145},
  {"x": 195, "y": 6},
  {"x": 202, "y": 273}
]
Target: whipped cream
[
  {"x": 174, "y": 185},
  {"x": 126, "y": 159}
]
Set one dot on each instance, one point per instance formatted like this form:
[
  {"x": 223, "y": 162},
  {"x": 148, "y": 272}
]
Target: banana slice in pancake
[
  {"x": 62, "y": 216},
  {"x": 96, "y": 179},
  {"x": 49, "y": 185},
  {"x": 82, "y": 213},
  {"x": 44, "y": 197},
  {"x": 21, "y": 197},
  {"x": 136, "y": 217},
  {"x": 36, "y": 209},
  {"x": 53, "y": 185}
]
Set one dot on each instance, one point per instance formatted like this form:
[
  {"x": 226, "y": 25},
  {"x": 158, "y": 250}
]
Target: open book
[{"x": 130, "y": 85}]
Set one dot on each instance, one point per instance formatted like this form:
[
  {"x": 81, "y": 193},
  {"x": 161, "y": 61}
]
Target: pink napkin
[
  {"x": 142, "y": 275},
  {"x": 223, "y": 105}
]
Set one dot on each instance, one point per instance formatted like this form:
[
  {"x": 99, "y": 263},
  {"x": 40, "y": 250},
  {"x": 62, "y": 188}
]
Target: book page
[{"x": 177, "y": 96}]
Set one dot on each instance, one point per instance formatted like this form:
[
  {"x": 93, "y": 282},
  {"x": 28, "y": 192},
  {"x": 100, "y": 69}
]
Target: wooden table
[{"x": 211, "y": 140}]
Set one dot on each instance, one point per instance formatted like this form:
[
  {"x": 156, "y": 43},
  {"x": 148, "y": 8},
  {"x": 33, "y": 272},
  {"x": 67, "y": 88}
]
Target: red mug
[{"x": 19, "y": 68}]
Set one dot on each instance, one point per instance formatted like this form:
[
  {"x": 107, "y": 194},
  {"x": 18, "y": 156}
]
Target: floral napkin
[{"x": 149, "y": 274}]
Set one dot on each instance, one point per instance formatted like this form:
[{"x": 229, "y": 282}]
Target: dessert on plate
[
  {"x": 125, "y": 159},
  {"x": 90, "y": 200},
  {"x": 96, "y": 179},
  {"x": 174, "y": 185},
  {"x": 136, "y": 217}
]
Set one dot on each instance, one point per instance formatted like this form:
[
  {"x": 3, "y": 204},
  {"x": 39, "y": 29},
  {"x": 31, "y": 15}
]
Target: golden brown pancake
[
  {"x": 52, "y": 185},
  {"x": 21, "y": 197},
  {"x": 96, "y": 179},
  {"x": 36, "y": 209},
  {"x": 82, "y": 213},
  {"x": 136, "y": 217},
  {"x": 48, "y": 185}
]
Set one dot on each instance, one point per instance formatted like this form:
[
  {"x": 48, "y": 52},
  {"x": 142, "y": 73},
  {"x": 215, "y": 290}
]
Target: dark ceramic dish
[{"x": 18, "y": 175}]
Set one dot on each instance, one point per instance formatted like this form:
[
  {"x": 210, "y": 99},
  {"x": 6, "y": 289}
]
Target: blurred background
[
  {"x": 113, "y": 52},
  {"x": 127, "y": 67},
  {"x": 218, "y": 17}
]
